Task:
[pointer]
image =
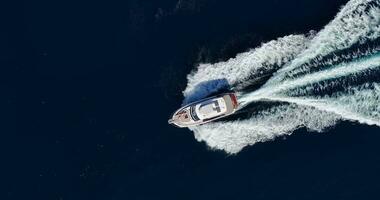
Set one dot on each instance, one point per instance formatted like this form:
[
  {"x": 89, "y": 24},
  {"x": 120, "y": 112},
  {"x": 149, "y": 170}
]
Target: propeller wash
[{"x": 317, "y": 80}]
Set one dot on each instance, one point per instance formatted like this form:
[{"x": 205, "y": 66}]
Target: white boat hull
[{"x": 205, "y": 110}]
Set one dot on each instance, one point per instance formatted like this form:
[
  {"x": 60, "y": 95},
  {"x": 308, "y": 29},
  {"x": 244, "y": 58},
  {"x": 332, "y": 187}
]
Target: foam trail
[
  {"x": 343, "y": 69},
  {"x": 316, "y": 80},
  {"x": 233, "y": 136},
  {"x": 357, "y": 22},
  {"x": 269, "y": 56},
  {"x": 369, "y": 117}
]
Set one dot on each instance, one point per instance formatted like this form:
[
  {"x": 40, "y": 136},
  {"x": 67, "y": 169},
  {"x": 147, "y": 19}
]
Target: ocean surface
[{"x": 87, "y": 88}]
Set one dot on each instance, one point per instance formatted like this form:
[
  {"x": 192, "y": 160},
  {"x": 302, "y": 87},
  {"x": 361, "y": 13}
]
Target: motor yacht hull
[{"x": 205, "y": 110}]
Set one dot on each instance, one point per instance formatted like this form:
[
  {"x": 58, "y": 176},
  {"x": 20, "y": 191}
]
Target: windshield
[{"x": 193, "y": 113}]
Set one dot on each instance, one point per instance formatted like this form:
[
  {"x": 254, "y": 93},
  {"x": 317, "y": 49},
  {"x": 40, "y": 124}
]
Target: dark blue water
[{"x": 87, "y": 87}]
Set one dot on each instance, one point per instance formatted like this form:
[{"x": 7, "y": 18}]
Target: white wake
[{"x": 319, "y": 79}]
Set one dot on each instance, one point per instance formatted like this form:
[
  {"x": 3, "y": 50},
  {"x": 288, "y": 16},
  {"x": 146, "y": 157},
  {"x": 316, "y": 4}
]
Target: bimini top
[{"x": 205, "y": 110}]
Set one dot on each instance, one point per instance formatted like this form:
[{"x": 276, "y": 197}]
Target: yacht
[{"x": 205, "y": 110}]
